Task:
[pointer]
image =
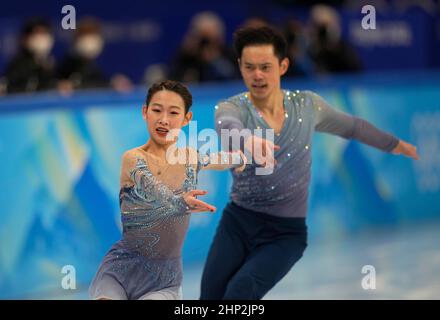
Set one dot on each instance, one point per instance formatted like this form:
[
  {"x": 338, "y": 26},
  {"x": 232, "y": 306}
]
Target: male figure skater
[{"x": 263, "y": 232}]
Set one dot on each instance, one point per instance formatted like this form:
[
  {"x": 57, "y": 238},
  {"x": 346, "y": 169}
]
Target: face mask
[
  {"x": 89, "y": 46},
  {"x": 40, "y": 44}
]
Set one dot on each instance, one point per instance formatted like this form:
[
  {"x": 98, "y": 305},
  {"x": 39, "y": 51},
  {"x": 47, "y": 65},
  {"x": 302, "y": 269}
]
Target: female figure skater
[{"x": 156, "y": 199}]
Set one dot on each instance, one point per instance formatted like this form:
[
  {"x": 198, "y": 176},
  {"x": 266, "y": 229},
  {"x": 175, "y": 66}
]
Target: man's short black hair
[{"x": 266, "y": 35}]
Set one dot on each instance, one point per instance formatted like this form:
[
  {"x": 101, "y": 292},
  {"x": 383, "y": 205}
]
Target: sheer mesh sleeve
[
  {"x": 222, "y": 160},
  {"x": 347, "y": 126}
]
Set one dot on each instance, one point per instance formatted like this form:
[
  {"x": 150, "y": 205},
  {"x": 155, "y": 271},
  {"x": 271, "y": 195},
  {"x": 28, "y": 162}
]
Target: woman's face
[{"x": 165, "y": 116}]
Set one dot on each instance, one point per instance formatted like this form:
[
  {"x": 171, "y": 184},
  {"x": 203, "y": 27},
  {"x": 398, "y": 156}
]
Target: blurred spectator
[
  {"x": 328, "y": 51},
  {"x": 32, "y": 68},
  {"x": 154, "y": 73},
  {"x": 79, "y": 69},
  {"x": 2, "y": 86},
  {"x": 204, "y": 55},
  {"x": 300, "y": 64},
  {"x": 254, "y": 22}
]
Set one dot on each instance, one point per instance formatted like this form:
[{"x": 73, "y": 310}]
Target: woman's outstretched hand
[{"x": 196, "y": 205}]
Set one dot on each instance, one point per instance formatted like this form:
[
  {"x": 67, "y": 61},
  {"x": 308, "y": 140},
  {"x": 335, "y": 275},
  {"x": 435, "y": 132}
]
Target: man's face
[{"x": 262, "y": 70}]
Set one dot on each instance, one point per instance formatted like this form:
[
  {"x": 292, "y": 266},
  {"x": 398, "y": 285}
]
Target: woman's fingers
[
  {"x": 197, "y": 192},
  {"x": 197, "y": 205}
]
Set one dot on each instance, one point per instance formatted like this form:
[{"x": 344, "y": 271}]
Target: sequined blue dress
[{"x": 155, "y": 220}]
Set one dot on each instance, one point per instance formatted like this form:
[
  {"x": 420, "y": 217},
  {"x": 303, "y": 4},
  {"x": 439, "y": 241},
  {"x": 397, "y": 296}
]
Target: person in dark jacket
[
  {"x": 79, "y": 69},
  {"x": 32, "y": 68}
]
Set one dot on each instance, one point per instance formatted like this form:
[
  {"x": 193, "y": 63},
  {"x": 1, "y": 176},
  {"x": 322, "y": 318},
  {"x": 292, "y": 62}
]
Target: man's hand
[
  {"x": 406, "y": 149},
  {"x": 262, "y": 150}
]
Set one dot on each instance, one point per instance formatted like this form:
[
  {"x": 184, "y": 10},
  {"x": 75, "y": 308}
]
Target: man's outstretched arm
[{"x": 347, "y": 126}]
